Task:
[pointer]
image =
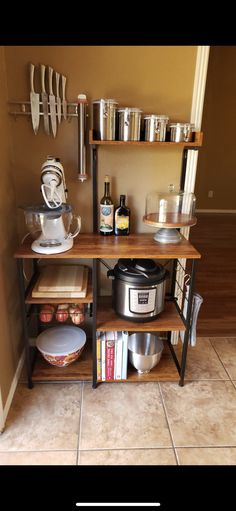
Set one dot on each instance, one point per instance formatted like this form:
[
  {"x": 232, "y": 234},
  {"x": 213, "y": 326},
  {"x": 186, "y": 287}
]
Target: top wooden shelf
[
  {"x": 197, "y": 142},
  {"x": 92, "y": 246}
]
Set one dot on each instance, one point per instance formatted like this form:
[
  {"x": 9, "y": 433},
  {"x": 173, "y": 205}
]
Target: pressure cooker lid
[{"x": 139, "y": 271}]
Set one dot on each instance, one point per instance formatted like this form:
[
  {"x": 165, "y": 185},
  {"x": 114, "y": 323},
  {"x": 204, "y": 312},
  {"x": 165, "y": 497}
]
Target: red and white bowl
[{"x": 61, "y": 345}]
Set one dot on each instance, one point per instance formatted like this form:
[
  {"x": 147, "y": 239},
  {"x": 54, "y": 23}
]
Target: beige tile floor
[{"x": 130, "y": 424}]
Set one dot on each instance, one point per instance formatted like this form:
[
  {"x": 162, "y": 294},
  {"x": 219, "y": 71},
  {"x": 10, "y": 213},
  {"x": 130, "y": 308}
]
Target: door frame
[{"x": 192, "y": 154}]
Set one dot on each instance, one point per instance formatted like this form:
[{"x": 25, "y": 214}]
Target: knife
[
  {"x": 34, "y": 102},
  {"x": 64, "y": 103},
  {"x": 44, "y": 100},
  {"x": 52, "y": 104},
  {"x": 58, "y": 98}
]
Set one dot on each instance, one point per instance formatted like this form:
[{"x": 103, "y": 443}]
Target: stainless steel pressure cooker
[{"x": 138, "y": 288}]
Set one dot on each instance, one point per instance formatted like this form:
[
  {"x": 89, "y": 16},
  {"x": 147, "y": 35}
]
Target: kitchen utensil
[
  {"x": 145, "y": 350},
  {"x": 181, "y": 132},
  {"x": 50, "y": 228},
  {"x": 34, "y": 101},
  {"x": 82, "y": 114},
  {"x": 68, "y": 277},
  {"x": 52, "y": 103},
  {"x": 62, "y": 345},
  {"x": 169, "y": 211},
  {"x": 104, "y": 119},
  {"x": 53, "y": 185},
  {"x": 44, "y": 97},
  {"x": 58, "y": 98},
  {"x": 155, "y": 128},
  {"x": 64, "y": 102},
  {"x": 129, "y": 123},
  {"x": 138, "y": 289},
  {"x": 36, "y": 293}
]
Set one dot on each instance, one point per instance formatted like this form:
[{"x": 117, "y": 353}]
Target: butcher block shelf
[
  {"x": 197, "y": 142},
  {"x": 108, "y": 320},
  {"x": 93, "y": 246}
]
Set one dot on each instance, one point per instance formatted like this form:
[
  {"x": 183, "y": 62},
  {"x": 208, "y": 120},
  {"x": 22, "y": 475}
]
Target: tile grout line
[
  {"x": 221, "y": 361},
  {"x": 166, "y": 416},
  {"x": 80, "y": 423}
]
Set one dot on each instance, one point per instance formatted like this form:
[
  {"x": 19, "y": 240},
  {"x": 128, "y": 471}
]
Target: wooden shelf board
[
  {"x": 92, "y": 246},
  {"x": 165, "y": 370},
  {"x": 80, "y": 370},
  {"x": 88, "y": 298},
  {"x": 108, "y": 320},
  {"x": 198, "y": 136}
]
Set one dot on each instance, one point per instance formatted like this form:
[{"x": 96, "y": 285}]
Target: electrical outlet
[{"x": 210, "y": 194}]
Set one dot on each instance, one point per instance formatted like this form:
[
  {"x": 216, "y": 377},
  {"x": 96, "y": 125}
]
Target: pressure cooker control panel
[{"x": 142, "y": 301}]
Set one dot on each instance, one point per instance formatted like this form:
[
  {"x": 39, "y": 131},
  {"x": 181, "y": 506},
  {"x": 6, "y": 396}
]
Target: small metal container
[
  {"x": 129, "y": 123},
  {"x": 104, "y": 119},
  {"x": 181, "y": 132},
  {"x": 155, "y": 128},
  {"x": 144, "y": 350}
]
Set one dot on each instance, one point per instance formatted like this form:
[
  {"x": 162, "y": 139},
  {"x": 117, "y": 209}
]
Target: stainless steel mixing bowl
[{"x": 145, "y": 351}]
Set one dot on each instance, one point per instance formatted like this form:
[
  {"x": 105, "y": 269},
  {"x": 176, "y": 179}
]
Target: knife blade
[
  {"x": 44, "y": 97},
  {"x": 34, "y": 102},
  {"x": 64, "y": 103},
  {"x": 58, "y": 98},
  {"x": 52, "y": 104}
]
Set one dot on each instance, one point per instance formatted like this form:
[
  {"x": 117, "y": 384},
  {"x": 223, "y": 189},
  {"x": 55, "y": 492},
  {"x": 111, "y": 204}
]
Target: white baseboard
[
  {"x": 12, "y": 389},
  {"x": 215, "y": 210}
]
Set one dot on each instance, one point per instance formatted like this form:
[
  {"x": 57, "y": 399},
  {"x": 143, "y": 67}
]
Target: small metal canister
[
  {"x": 104, "y": 119},
  {"x": 129, "y": 123},
  {"x": 181, "y": 132},
  {"x": 155, "y": 128}
]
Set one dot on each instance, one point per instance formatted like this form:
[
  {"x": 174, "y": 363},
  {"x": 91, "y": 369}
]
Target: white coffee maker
[{"x": 50, "y": 223}]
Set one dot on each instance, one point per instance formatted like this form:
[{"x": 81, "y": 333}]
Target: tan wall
[
  {"x": 10, "y": 346},
  {"x": 158, "y": 79},
  {"x": 217, "y": 158}
]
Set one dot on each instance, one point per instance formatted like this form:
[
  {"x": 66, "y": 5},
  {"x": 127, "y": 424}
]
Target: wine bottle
[
  {"x": 122, "y": 218},
  {"x": 106, "y": 211}
]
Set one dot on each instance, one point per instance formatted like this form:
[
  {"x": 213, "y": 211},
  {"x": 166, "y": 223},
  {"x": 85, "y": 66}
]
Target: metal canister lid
[
  {"x": 102, "y": 100},
  {"x": 181, "y": 125},
  {"x": 129, "y": 110},
  {"x": 157, "y": 116}
]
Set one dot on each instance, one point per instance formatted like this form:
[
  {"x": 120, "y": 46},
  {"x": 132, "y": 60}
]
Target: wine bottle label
[
  {"x": 121, "y": 222},
  {"x": 106, "y": 218}
]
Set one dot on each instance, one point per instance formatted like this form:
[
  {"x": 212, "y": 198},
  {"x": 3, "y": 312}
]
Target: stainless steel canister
[
  {"x": 104, "y": 119},
  {"x": 181, "y": 132},
  {"x": 155, "y": 128},
  {"x": 129, "y": 123}
]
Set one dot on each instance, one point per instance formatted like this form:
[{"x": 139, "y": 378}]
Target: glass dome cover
[{"x": 169, "y": 211}]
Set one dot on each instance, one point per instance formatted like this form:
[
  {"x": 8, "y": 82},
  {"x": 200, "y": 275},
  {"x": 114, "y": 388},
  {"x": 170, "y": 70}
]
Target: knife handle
[
  {"x": 32, "y": 77},
  {"x": 57, "y": 83},
  {"x": 43, "y": 77},
  {"x": 63, "y": 81},
  {"x": 50, "y": 70}
]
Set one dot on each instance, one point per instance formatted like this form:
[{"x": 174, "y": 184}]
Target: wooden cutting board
[
  {"x": 63, "y": 294},
  {"x": 61, "y": 278}
]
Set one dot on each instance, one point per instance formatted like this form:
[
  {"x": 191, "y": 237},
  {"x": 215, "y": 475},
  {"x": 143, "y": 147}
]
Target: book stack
[{"x": 112, "y": 356}]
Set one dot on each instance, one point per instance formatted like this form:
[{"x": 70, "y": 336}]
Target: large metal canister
[
  {"x": 104, "y": 119},
  {"x": 155, "y": 128},
  {"x": 129, "y": 123}
]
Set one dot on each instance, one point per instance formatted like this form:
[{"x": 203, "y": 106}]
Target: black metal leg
[
  {"x": 188, "y": 325},
  {"x": 25, "y": 328},
  {"x": 95, "y": 295}
]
